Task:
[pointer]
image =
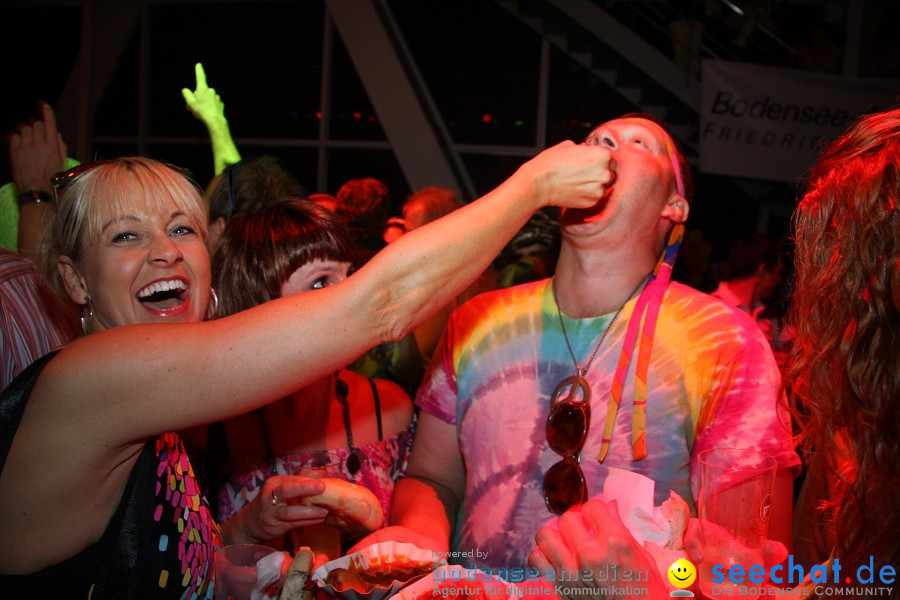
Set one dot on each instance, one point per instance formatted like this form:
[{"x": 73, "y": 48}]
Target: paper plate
[{"x": 375, "y": 556}]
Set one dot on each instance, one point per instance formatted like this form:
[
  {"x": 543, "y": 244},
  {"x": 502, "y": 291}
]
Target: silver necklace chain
[{"x": 582, "y": 370}]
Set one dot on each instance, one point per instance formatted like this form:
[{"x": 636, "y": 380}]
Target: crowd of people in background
[{"x": 307, "y": 323}]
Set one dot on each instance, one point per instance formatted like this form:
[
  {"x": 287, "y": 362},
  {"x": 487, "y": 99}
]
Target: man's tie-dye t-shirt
[{"x": 712, "y": 383}]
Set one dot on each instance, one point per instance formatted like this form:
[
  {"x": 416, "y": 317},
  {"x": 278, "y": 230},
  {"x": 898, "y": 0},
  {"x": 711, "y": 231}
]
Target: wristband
[{"x": 34, "y": 197}]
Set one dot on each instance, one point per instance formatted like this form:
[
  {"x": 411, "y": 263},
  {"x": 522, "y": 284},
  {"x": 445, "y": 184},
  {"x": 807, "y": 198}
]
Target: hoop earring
[
  {"x": 87, "y": 317},
  {"x": 212, "y": 308}
]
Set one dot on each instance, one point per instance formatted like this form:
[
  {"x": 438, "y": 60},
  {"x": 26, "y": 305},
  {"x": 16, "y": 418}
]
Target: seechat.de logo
[{"x": 682, "y": 573}]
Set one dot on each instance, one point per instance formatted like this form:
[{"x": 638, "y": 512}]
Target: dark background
[{"x": 479, "y": 64}]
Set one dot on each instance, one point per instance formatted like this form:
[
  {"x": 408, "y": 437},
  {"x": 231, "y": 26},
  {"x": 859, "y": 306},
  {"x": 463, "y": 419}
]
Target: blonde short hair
[{"x": 120, "y": 185}]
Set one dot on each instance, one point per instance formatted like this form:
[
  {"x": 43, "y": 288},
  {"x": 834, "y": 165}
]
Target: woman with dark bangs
[
  {"x": 843, "y": 376},
  {"x": 344, "y": 424}
]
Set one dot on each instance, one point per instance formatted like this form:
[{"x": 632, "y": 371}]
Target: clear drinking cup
[
  {"x": 321, "y": 538},
  {"x": 736, "y": 488},
  {"x": 235, "y": 567}
]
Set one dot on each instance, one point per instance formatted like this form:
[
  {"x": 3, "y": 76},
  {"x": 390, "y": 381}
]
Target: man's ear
[
  {"x": 74, "y": 282},
  {"x": 676, "y": 209}
]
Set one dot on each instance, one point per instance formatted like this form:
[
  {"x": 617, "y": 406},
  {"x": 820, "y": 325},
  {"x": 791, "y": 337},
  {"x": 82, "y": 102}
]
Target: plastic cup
[
  {"x": 736, "y": 487},
  {"x": 321, "y": 538},
  {"x": 235, "y": 567}
]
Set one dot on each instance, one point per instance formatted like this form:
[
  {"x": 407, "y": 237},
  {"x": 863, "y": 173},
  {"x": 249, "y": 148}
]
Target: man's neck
[{"x": 596, "y": 282}]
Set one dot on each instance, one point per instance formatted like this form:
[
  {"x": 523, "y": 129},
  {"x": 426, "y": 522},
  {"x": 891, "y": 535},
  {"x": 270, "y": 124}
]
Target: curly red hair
[{"x": 843, "y": 375}]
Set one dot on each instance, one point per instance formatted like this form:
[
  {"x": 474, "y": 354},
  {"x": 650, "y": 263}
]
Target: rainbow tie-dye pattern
[{"x": 712, "y": 382}]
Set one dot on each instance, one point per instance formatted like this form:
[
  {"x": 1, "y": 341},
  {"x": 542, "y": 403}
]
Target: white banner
[{"x": 767, "y": 123}]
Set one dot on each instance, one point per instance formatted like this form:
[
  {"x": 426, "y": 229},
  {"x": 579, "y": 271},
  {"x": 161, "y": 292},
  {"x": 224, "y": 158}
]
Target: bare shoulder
[
  {"x": 393, "y": 397},
  {"x": 60, "y": 457},
  {"x": 396, "y": 405}
]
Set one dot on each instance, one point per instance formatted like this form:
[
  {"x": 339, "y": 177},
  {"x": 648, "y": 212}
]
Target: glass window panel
[
  {"x": 352, "y": 114},
  {"x": 264, "y": 60},
  {"x": 579, "y": 101},
  {"x": 481, "y": 65},
  {"x": 117, "y": 111},
  {"x": 35, "y": 67}
]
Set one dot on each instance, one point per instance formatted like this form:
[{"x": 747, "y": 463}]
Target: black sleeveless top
[{"x": 160, "y": 541}]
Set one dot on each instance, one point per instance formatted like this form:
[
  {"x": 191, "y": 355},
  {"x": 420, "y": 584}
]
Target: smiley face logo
[{"x": 682, "y": 573}]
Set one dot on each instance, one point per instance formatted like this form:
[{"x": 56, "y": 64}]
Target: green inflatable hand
[{"x": 206, "y": 105}]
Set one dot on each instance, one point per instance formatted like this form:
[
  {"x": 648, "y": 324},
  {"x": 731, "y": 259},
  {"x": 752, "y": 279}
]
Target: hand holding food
[
  {"x": 295, "y": 587},
  {"x": 592, "y": 537},
  {"x": 677, "y": 515},
  {"x": 352, "y": 508}
]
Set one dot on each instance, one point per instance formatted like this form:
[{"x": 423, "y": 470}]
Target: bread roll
[
  {"x": 677, "y": 514},
  {"x": 295, "y": 583},
  {"x": 352, "y": 508}
]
